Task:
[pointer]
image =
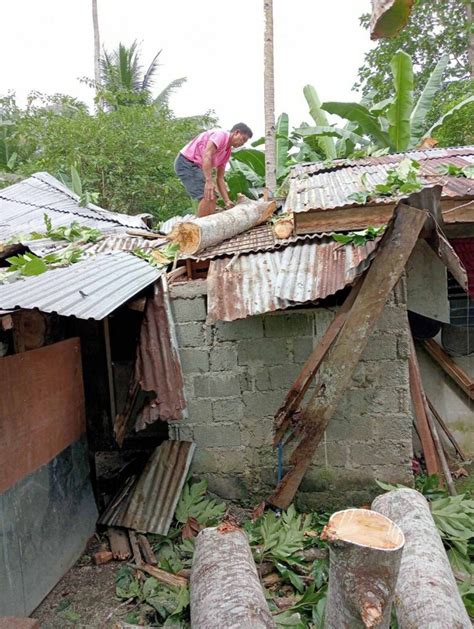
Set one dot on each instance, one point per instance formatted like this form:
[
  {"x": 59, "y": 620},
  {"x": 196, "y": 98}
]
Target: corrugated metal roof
[
  {"x": 315, "y": 188},
  {"x": 89, "y": 289},
  {"x": 23, "y": 205},
  {"x": 149, "y": 507},
  {"x": 264, "y": 282}
]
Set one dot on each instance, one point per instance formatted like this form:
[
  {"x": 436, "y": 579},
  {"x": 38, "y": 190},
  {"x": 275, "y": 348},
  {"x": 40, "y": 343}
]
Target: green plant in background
[
  {"x": 457, "y": 171},
  {"x": 360, "y": 237},
  {"x": 75, "y": 232},
  {"x": 193, "y": 503}
]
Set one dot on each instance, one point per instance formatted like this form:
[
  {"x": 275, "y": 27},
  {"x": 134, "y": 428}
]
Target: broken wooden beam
[
  {"x": 365, "y": 551},
  {"x": 450, "y": 368},
  {"x": 419, "y": 408},
  {"x": 447, "y": 431},
  {"x": 119, "y": 544},
  {"x": 147, "y": 551},
  {"x": 337, "y": 368},
  {"x": 137, "y": 556},
  {"x": 102, "y": 556},
  {"x": 225, "y": 588},
  {"x": 300, "y": 386},
  {"x": 426, "y": 594},
  {"x": 167, "y": 578},
  {"x": 441, "y": 455},
  {"x": 201, "y": 233}
]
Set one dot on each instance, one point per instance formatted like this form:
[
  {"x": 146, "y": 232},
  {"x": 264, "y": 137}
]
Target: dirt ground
[{"x": 84, "y": 598}]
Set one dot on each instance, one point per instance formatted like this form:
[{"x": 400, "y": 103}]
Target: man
[{"x": 196, "y": 161}]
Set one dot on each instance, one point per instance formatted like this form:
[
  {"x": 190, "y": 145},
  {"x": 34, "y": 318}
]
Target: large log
[
  {"x": 225, "y": 589},
  {"x": 365, "y": 550},
  {"x": 336, "y": 370},
  {"x": 194, "y": 236},
  {"x": 426, "y": 594}
]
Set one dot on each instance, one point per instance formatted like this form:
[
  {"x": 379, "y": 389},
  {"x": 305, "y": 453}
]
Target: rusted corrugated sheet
[
  {"x": 311, "y": 189},
  {"x": 464, "y": 247},
  {"x": 149, "y": 505},
  {"x": 264, "y": 282},
  {"x": 158, "y": 366}
]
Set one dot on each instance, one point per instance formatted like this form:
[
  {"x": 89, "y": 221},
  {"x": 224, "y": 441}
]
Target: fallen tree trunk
[
  {"x": 365, "y": 550},
  {"x": 225, "y": 589},
  {"x": 426, "y": 594},
  {"x": 194, "y": 236}
]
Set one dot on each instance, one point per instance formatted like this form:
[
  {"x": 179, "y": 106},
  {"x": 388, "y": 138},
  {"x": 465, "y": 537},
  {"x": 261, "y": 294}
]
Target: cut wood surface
[
  {"x": 338, "y": 366},
  {"x": 119, "y": 544},
  {"x": 194, "y": 236},
  {"x": 298, "y": 390},
  {"x": 447, "y": 364},
  {"x": 283, "y": 227},
  {"x": 419, "y": 408},
  {"x": 426, "y": 594},
  {"x": 365, "y": 550},
  {"x": 225, "y": 588}
]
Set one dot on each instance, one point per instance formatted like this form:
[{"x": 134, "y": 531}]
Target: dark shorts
[{"x": 191, "y": 176}]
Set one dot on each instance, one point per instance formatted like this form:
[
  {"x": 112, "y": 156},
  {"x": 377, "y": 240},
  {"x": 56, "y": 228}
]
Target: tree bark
[
  {"x": 225, "y": 589},
  {"x": 269, "y": 99},
  {"x": 365, "y": 550},
  {"x": 95, "y": 22},
  {"x": 194, "y": 236},
  {"x": 426, "y": 594},
  {"x": 470, "y": 36}
]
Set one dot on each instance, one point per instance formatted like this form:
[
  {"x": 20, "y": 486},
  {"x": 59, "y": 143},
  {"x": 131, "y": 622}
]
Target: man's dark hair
[{"x": 243, "y": 128}]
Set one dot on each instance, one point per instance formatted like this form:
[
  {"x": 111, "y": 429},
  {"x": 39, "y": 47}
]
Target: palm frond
[
  {"x": 147, "y": 81},
  {"x": 164, "y": 96}
]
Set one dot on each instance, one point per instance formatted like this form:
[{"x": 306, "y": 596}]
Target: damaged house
[{"x": 275, "y": 364}]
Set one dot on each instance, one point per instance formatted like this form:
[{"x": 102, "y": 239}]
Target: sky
[{"x": 216, "y": 44}]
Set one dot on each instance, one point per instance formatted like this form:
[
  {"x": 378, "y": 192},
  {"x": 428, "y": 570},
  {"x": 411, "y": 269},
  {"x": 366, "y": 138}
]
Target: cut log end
[
  {"x": 187, "y": 236},
  {"x": 283, "y": 228},
  {"x": 364, "y": 528}
]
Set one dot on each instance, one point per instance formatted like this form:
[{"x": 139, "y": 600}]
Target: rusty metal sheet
[
  {"x": 148, "y": 506},
  {"x": 158, "y": 365},
  {"x": 41, "y": 407},
  {"x": 324, "y": 189},
  {"x": 304, "y": 272}
]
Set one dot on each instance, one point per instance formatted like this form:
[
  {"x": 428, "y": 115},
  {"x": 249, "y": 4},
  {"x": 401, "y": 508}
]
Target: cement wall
[
  {"x": 237, "y": 374},
  {"x": 45, "y": 521}
]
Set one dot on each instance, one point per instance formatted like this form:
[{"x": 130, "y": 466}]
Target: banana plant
[{"x": 395, "y": 124}]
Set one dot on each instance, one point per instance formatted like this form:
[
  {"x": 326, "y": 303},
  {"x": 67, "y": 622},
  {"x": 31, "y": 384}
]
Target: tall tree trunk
[
  {"x": 470, "y": 35},
  {"x": 269, "y": 99},
  {"x": 95, "y": 22}
]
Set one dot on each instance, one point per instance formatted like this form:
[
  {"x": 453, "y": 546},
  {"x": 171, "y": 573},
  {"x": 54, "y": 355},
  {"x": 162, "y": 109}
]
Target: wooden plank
[
  {"x": 419, "y": 407},
  {"x": 446, "y": 431},
  {"x": 172, "y": 580},
  {"x": 439, "y": 449},
  {"x": 298, "y": 390},
  {"x": 337, "y": 368},
  {"x": 137, "y": 556},
  {"x": 147, "y": 550},
  {"x": 119, "y": 544},
  {"x": 440, "y": 245},
  {"x": 447, "y": 364}
]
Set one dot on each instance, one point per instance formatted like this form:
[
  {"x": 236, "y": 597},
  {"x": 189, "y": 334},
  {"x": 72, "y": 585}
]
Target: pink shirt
[{"x": 195, "y": 149}]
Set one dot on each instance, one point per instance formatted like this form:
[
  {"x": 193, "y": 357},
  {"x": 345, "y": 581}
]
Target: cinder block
[
  {"x": 258, "y": 404},
  {"x": 199, "y": 411},
  {"x": 263, "y": 351},
  {"x": 381, "y": 347},
  {"x": 220, "y": 384},
  {"x": 393, "y": 426},
  {"x": 224, "y": 357},
  {"x": 228, "y": 410},
  {"x": 231, "y": 460},
  {"x": 381, "y": 373},
  {"x": 255, "y": 434},
  {"x": 393, "y": 318},
  {"x": 322, "y": 319},
  {"x": 228, "y": 487},
  {"x": 251, "y": 328},
  {"x": 192, "y": 334},
  {"x": 282, "y": 377},
  {"x": 403, "y": 346},
  {"x": 194, "y": 360},
  {"x": 331, "y": 454},
  {"x": 287, "y": 325},
  {"x": 185, "y": 310},
  {"x": 394, "y": 474},
  {"x": 357, "y": 427},
  {"x": 302, "y": 348},
  {"x": 386, "y": 452},
  {"x": 262, "y": 379},
  {"x": 210, "y": 436}
]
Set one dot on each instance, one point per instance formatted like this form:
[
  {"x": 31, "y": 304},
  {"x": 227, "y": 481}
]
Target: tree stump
[
  {"x": 365, "y": 551},
  {"x": 225, "y": 588},
  {"x": 426, "y": 594}
]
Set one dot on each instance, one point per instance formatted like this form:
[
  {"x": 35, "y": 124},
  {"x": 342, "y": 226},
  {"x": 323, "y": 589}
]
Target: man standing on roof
[{"x": 196, "y": 161}]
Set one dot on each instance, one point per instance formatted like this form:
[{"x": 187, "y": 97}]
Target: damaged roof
[{"x": 322, "y": 187}]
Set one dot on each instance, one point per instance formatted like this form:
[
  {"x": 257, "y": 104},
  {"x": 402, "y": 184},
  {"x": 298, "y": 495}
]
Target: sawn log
[{"x": 194, "y": 236}]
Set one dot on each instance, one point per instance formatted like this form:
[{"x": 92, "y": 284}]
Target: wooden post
[
  {"x": 365, "y": 550},
  {"x": 336, "y": 370},
  {"x": 447, "y": 432},
  {"x": 426, "y": 594}
]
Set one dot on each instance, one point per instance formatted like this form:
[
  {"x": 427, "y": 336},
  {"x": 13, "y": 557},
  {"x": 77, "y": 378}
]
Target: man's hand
[
  {"x": 209, "y": 191},
  {"x": 228, "y": 204}
]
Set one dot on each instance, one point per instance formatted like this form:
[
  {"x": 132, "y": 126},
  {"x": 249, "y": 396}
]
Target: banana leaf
[
  {"x": 332, "y": 132},
  {"x": 399, "y": 113},
  {"x": 388, "y": 17},
  {"x": 367, "y": 122},
  {"x": 282, "y": 144},
  {"x": 319, "y": 116},
  {"x": 439, "y": 123},
  {"x": 252, "y": 158},
  {"x": 425, "y": 100}
]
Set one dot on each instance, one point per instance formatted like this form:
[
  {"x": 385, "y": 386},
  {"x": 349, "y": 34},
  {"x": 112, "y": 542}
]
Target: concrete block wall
[{"x": 237, "y": 375}]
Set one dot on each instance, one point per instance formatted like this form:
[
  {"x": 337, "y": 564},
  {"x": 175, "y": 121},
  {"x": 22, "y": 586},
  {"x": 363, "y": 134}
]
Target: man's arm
[
  {"x": 221, "y": 186},
  {"x": 209, "y": 190}
]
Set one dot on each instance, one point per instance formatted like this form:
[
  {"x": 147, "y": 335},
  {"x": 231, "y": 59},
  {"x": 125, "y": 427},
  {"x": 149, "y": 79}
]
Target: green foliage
[
  {"x": 360, "y": 237},
  {"x": 400, "y": 180},
  {"x": 458, "y": 129},
  {"x": 27, "y": 264},
  {"x": 75, "y": 232},
  {"x": 446, "y": 23},
  {"x": 326, "y": 144},
  {"x": 193, "y": 503},
  {"x": 74, "y": 182},
  {"x": 158, "y": 257},
  {"x": 457, "y": 171},
  {"x": 126, "y": 156},
  {"x": 399, "y": 112}
]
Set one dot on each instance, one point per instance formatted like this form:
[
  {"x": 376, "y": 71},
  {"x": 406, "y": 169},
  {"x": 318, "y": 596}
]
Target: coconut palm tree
[
  {"x": 124, "y": 83},
  {"x": 269, "y": 99}
]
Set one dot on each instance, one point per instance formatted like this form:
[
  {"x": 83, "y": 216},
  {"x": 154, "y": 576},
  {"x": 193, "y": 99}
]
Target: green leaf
[
  {"x": 335, "y": 132},
  {"x": 359, "y": 114},
  {"x": 319, "y": 116},
  {"x": 282, "y": 144},
  {"x": 439, "y": 123},
  {"x": 399, "y": 112},
  {"x": 359, "y": 197},
  {"x": 252, "y": 158},
  {"x": 76, "y": 181},
  {"x": 425, "y": 100},
  {"x": 468, "y": 171}
]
